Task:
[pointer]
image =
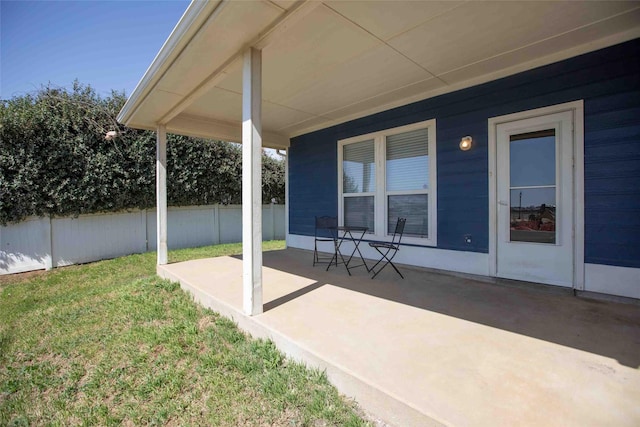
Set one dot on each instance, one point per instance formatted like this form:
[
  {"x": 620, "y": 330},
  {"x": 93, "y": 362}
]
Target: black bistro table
[{"x": 352, "y": 234}]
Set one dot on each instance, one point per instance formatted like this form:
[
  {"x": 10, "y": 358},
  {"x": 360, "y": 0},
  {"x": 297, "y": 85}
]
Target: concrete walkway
[{"x": 436, "y": 349}]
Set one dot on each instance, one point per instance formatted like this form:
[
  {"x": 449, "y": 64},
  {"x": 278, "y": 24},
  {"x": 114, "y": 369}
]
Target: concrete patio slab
[{"x": 439, "y": 349}]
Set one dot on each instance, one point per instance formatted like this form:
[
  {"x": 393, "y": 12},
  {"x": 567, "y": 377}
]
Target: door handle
[{"x": 503, "y": 203}]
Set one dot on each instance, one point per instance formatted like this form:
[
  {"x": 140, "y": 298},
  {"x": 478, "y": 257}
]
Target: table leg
[
  {"x": 356, "y": 243},
  {"x": 337, "y": 252}
]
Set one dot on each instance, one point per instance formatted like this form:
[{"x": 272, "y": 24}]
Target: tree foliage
[{"x": 55, "y": 160}]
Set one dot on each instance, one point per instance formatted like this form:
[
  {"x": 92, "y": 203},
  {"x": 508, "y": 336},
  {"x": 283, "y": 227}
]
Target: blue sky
[{"x": 107, "y": 44}]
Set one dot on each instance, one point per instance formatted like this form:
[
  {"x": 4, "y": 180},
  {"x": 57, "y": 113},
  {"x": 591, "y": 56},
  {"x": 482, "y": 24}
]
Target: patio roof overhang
[
  {"x": 326, "y": 62},
  {"x": 262, "y": 71}
]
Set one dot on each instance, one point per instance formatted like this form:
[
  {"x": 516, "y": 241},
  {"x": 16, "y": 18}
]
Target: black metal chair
[
  {"x": 389, "y": 248},
  {"x": 326, "y": 230}
]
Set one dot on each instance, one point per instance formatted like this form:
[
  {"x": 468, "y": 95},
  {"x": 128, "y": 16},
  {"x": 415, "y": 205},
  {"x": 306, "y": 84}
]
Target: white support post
[
  {"x": 161, "y": 193},
  {"x": 252, "y": 181},
  {"x": 286, "y": 197}
]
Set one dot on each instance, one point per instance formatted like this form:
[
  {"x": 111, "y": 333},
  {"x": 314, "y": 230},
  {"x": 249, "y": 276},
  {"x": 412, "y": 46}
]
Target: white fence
[{"x": 38, "y": 243}]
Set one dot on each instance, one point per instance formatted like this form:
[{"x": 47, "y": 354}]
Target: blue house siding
[
  {"x": 607, "y": 80},
  {"x": 612, "y": 178},
  {"x": 313, "y": 182}
]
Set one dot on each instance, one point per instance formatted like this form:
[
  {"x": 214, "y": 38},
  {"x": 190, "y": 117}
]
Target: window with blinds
[
  {"x": 407, "y": 186},
  {"x": 408, "y": 161},
  {"x": 359, "y": 184},
  {"x": 359, "y": 168},
  {"x": 387, "y": 175}
]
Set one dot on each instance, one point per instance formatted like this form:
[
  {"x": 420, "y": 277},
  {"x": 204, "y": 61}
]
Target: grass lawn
[{"x": 111, "y": 343}]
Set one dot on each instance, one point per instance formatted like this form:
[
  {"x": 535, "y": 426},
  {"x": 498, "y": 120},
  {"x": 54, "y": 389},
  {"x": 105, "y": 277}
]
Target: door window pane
[
  {"x": 407, "y": 165},
  {"x": 358, "y": 212},
  {"x": 532, "y": 168},
  {"x": 533, "y": 215},
  {"x": 533, "y": 158},
  {"x": 359, "y": 169},
  {"x": 414, "y": 208}
]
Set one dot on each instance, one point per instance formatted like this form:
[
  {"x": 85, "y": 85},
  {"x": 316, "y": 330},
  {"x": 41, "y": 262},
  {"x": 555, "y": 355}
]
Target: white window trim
[{"x": 380, "y": 208}]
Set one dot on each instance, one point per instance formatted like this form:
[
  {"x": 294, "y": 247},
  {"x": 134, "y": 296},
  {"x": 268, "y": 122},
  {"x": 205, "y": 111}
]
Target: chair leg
[
  {"x": 316, "y": 256},
  {"x": 378, "y": 272},
  {"x": 383, "y": 256},
  {"x": 315, "y": 253},
  {"x": 388, "y": 261},
  {"x": 369, "y": 270},
  {"x": 335, "y": 256},
  {"x": 394, "y": 267}
]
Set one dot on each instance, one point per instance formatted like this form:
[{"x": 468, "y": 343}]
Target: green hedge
[{"x": 55, "y": 160}]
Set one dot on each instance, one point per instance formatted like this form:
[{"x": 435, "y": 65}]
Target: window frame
[{"x": 381, "y": 194}]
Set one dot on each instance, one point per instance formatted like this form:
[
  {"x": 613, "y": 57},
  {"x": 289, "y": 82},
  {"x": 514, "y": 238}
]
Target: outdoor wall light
[{"x": 465, "y": 143}]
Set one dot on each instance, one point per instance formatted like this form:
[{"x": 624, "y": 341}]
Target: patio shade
[{"x": 326, "y": 62}]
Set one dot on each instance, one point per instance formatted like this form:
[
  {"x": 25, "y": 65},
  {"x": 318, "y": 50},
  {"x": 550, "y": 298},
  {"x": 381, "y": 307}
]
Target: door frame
[{"x": 577, "y": 108}]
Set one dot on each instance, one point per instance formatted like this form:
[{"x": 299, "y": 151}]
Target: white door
[{"x": 535, "y": 226}]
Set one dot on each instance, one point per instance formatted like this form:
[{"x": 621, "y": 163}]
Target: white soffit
[
  {"x": 386, "y": 19},
  {"x": 209, "y": 49},
  {"x": 457, "y": 39},
  {"x": 333, "y": 61}
]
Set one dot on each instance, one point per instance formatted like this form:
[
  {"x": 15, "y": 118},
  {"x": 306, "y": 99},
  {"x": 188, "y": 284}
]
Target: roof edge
[{"x": 191, "y": 21}]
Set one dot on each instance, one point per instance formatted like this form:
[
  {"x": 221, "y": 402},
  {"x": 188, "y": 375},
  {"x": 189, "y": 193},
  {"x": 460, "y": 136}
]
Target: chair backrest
[
  {"x": 326, "y": 226},
  {"x": 397, "y": 233}
]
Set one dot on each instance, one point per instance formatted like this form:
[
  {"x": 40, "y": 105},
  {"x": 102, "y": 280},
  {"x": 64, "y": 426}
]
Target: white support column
[
  {"x": 252, "y": 181},
  {"x": 286, "y": 198},
  {"x": 161, "y": 193}
]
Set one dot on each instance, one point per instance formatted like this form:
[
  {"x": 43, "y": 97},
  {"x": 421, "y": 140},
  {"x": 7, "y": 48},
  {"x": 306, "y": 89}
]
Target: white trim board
[
  {"x": 605, "y": 279},
  {"x": 441, "y": 259},
  {"x": 612, "y": 280}
]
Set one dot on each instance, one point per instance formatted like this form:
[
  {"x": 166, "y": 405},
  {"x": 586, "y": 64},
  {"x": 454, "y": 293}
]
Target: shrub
[{"x": 55, "y": 160}]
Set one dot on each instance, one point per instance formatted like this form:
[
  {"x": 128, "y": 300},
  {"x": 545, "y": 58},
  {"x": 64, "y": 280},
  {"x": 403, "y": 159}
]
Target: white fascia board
[{"x": 194, "y": 17}]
